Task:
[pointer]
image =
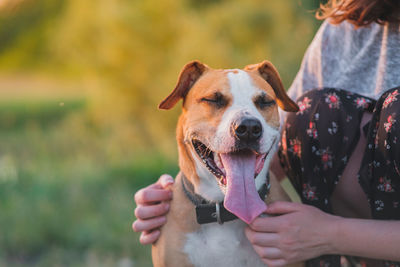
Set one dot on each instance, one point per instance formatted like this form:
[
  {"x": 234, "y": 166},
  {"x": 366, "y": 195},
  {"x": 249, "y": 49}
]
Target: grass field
[
  {"x": 66, "y": 196},
  {"x": 80, "y": 132},
  {"x": 65, "y": 200}
]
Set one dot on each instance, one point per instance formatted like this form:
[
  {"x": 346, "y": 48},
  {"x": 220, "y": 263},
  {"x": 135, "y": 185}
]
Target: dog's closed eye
[
  {"x": 263, "y": 101},
  {"x": 216, "y": 99}
]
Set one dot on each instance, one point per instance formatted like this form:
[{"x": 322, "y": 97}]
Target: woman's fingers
[
  {"x": 274, "y": 263},
  {"x": 156, "y": 192},
  {"x": 165, "y": 180},
  {"x": 148, "y": 225},
  {"x": 266, "y": 224},
  {"x": 148, "y": 196},
  {"x": 273, "y": 257},
  {"x": 282, "y": 207},
  {"x": 264, "y": 245},
  {"x": 148, "y": 212},
  {"x": 261, "y": 238},
  {"x": 149, "y": 237},
  {"x": 268, "y": 252},
  {"x": 152, "y": 205},
  {"x": 277, "y": 223}
]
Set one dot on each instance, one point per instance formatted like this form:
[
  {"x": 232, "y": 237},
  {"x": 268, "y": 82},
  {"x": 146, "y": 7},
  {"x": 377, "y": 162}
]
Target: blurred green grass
[
  {"x": 18, "y": 113},
  {"x": 63, "y": 201},
  {"x": 79, "y": 129}
]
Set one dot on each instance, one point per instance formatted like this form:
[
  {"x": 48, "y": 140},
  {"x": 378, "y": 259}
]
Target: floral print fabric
[
  {"x": 379, "y": 174},
  {"x": 318, "y": 140}
]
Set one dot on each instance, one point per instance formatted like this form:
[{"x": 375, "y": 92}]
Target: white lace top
[{"x": 364, "y": 60}]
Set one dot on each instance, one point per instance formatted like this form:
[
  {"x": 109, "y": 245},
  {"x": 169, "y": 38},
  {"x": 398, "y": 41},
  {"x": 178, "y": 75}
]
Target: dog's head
[{"x": 228, "y": 131}]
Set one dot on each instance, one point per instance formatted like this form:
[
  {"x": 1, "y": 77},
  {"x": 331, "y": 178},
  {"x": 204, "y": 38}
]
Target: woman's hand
[
  {"x": 299, "y": 232},
  {"x": 152, "y": 206}
]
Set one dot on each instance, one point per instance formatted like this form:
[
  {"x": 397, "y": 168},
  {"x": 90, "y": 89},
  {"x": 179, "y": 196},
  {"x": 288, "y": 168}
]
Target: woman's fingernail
[{"x": 166, "y": 207}]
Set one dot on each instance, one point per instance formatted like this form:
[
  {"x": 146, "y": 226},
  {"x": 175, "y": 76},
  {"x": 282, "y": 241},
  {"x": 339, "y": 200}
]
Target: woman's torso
[{"x": 365, "y": 61}]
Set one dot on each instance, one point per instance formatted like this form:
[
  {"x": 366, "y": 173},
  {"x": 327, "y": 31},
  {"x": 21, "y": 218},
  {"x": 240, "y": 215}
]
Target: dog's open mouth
[
  {"x": 236, "y": 172},
  {"x": 214, "y": 163}
]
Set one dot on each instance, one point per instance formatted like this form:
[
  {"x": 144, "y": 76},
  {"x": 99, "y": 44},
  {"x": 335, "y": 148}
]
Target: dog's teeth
[
  {"x": 218, "y": 162},
  {"x": 224, "y": 181},
  {"x": 209, "y": 157}
]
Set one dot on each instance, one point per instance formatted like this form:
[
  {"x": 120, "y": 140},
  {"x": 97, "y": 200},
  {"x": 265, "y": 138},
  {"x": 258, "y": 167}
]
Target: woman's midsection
[{"x": 348, "y": 198}]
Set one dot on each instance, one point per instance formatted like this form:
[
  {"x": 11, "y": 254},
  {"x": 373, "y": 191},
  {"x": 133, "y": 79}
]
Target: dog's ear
[
  {"x": 269, "y": 73},
  {"x": 188, "y": 76}
]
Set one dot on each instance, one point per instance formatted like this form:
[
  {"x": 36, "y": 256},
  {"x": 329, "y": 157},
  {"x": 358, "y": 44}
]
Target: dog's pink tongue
[{"x": 241, "y": 196}]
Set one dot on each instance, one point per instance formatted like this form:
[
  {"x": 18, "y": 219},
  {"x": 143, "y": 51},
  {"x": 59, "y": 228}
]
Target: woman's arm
[
  {"x": 152, "y": 206},
  {"x": 302, "y": 232},
  {"x": 367, "y": 238}
]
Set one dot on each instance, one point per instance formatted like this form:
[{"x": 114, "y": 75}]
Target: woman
[{"x": 340, "y": 150}]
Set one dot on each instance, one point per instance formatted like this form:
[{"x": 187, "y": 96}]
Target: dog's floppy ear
[
  {"x": 189, "y": 75},
  {"x": 269, "y": 73}
]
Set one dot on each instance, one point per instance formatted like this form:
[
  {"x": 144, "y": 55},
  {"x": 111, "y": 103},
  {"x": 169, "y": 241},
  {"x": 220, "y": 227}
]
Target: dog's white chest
[{"x": 221, "y": 245}]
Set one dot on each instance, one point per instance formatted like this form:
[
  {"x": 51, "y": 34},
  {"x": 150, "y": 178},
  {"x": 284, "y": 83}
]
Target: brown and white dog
[{"x": 227, "y": 134}]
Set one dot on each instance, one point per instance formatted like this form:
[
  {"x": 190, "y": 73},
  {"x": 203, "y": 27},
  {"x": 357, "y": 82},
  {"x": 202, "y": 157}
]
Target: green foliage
[
  {"x": 24, "y": 33},
  {"x": 16, "y": 114},
  {"x": 64, "y": 199},
  {"x": 129, "y": 53},
  {"x": 69, "y": 166}
]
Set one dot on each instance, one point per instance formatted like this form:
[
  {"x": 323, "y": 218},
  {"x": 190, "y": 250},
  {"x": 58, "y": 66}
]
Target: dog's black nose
[{"x": 247, "y": 129}]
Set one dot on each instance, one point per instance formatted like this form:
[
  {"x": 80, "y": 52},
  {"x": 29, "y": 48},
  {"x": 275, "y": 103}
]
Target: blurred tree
[
  {"x": 129, "y": 53},
  {"x": 24, "y": 32},
  {"x": 66, "y": 186}
]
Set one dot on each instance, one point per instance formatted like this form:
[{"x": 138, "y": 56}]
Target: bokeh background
[{"x": 80, "y": 132}]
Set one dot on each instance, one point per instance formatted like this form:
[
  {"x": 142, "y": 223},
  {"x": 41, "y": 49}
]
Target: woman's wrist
[
  {"x": 331, "y": 234},
  {"x": 377, "y": 239}
]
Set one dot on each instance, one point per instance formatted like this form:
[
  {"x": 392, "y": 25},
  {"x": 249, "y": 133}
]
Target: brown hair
[{"x": 360, "y": 12}]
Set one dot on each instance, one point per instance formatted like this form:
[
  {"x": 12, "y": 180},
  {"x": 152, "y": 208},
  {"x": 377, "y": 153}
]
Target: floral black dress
[{"x": 318, "y": 140}]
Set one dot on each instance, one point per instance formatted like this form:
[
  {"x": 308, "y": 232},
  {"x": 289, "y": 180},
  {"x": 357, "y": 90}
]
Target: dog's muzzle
[{"x": 247, "y": 131}]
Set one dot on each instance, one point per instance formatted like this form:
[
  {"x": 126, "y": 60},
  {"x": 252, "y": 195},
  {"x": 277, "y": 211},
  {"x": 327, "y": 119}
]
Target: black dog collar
[{"x": 210, "y": 212}]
